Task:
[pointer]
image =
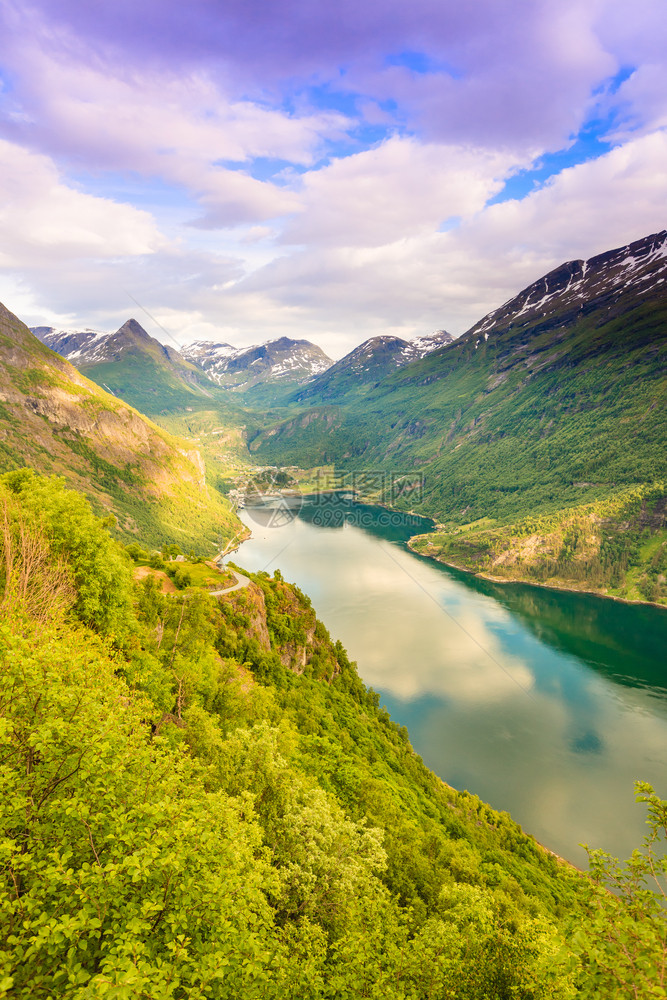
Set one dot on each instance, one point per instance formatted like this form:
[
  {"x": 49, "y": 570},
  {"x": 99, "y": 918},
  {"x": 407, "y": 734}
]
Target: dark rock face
[{"x": 68, "y": 343}]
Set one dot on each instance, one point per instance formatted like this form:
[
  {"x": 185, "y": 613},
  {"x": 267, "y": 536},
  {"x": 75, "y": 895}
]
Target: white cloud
[
  {"x": 642, "y": 101},
  {"x": 584, "y": 210},
  {"x": 42, "y": 218},
  {"x": 346, "y": 251},
  {"x": 452, "y": 279},
  {"x": 393, "y": 191},
  {"x": 333, "y": 293},
  {"x": 180, "y": 128}
]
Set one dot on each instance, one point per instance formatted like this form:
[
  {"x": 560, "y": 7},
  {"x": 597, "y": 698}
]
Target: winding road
[{"x": 241, "y": 581}]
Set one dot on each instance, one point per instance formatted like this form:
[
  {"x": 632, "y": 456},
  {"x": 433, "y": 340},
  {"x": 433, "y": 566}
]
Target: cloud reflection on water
[{"x": 491, "y": 704}]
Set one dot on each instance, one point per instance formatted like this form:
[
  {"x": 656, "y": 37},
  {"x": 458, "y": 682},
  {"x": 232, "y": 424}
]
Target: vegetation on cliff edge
[{"x": 201, "y": 799}]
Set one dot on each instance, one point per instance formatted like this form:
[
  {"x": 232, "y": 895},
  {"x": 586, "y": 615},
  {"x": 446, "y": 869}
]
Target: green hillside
[
  {"x": 538, "y": 408},
  {"x": 499, "y": 428},
  {"x": 201, "y": 799},
  {"x": 355, "y": 374},
  {"x": 617, "y": 546},
  {"x": 57, "y": 421},
  {"x": 146, "y": 374}
]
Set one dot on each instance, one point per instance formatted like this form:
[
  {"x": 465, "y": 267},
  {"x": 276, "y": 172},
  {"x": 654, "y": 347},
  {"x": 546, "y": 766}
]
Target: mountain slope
[
  {"x": 54, "y": 419},
  {"x": 364, "y": 367},
  {"x": 556, "y": 399},
  {"x": 208, "y": 355},
  {"x": 70, "y": 344},
  {"x": 607, "y": 284},
  {"x": 212, "y": 774}
]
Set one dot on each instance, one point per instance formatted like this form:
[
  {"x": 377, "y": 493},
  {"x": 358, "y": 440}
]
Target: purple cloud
[
  {"x": 511, "y": 71},
  {"x": 387, "y": 119}
]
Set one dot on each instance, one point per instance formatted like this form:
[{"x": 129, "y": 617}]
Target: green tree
[
  {"x": 121, "y": 875},
  {"x": 622, "y": 945},
  {"x": 100, "y": 570}
]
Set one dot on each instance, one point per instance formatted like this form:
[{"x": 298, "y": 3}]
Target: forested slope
[
  {"x": 201, "y": 799},
  {"x": 554, "y": 401},
  {"x": 616, "y": 546},
  {"x": 553, "y": 398}
]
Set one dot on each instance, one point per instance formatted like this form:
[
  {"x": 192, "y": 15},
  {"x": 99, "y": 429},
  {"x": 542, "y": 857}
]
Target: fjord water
[{"x": 546, "y": 704}]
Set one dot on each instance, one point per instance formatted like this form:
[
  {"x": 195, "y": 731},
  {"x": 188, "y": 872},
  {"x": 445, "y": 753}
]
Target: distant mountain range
[
  {"x": 157, "y": 378},
  {"x": 263, "y": 374},
  {"x": 283, "y": 359},
  {"x": 563, "y": 384},
  {"x": 553, "y": 401},
  {"x": 367, "y": 365},
  {"x": 132, "y": 365}
]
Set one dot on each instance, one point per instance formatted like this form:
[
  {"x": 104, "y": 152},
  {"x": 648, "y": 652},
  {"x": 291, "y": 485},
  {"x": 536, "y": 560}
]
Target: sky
[{"x": 242, "y": 170}]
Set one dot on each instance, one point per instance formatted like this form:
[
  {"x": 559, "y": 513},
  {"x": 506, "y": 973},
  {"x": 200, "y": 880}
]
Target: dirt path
[{"x": 166, "y": 585}]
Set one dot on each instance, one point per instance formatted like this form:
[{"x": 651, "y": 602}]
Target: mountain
[
  {"x": 367, "y": 365},
  {"x": 419, "y": 347},
  {"x": 265, "y": 373},
  {"x": 238, "y": 815},
  {"x": 207, "y": 354},
  {"x": 55, "y": 420},
  {"x": 71, "y": 344},
  {"x": 134, "y": 366},
  {"x": 607, "y": 285},
  {"x": 553, "y": 401}
]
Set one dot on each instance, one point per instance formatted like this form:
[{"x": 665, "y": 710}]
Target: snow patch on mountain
[
  {"x": 283, "y": 360},
  {"x": 577, "y": 284},
  {"x": 206, "y": 350},
  {"x": 75, "y": 345}
]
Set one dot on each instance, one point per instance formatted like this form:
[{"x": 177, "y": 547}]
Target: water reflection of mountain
[
  {"x": 332, "y": 511},
  {"x": 624, "y": 642},
  {"x": 544, "y": 703}
]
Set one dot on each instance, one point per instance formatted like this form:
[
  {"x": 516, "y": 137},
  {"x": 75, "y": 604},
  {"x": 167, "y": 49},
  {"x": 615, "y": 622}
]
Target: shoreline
[
  {"x": 563, "y": 862},
  {"x": 563, "y": 588},
  {"x": 535, "y": 583}
]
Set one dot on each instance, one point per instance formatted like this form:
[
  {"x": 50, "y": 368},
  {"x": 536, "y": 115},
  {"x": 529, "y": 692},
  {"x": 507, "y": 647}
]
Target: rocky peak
[
  {"x": 420, "y": 346},
  {"x": 70, "y": 344},
  {"x": 283, "y": 359}
]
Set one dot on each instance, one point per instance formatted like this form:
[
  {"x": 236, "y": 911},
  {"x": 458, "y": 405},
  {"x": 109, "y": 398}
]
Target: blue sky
[{"x": 247, "y": 170}]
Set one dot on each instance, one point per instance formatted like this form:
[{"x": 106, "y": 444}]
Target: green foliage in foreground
[
  {"x": 201, "y": 799},
  {"x": 623, "y": 941}
]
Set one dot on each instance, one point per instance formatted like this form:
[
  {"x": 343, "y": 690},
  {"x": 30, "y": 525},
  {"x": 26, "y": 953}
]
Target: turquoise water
[{"x": 545, "y": 704}]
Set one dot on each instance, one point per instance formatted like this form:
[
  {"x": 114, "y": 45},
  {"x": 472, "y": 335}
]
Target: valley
[
  {"x": 150, "y": 484},
  {"x": 345, "y": 806},
  {"x": 333, "y": 500},
  {"x": 537, "y": 439}
]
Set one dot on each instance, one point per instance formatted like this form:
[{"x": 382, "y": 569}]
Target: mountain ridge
[
  {"x": 367, "y": 364},
  {"x": 552, "y": 401},
  {"x": 263, "y": 372},
  {"x": 582, "y": 286},
  {"x": 132, "y": 365}
]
